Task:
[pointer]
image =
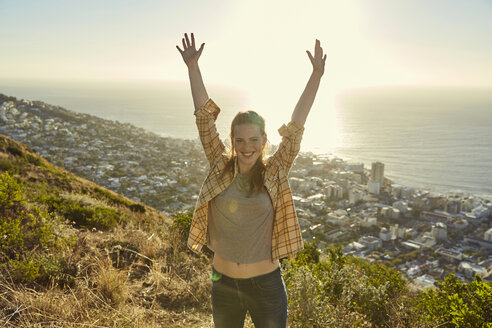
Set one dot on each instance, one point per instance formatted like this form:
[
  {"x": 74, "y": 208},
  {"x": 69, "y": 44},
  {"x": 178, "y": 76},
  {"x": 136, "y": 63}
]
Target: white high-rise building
[
  {"x": 377, "y": 173},
  {"x": 376, "y": 181}
]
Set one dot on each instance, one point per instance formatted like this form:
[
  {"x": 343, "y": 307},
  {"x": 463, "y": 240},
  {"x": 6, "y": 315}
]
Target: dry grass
[
  {"x": 84, "y": 199},
  {"x": 82, "y": 307},
  {"x": 111, "y": 283},
  {"x": 131, "y": 276},
  {"x": 157, "y": 287}
]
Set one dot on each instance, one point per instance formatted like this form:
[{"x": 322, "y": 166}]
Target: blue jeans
[{"x": 263, "y": 296}]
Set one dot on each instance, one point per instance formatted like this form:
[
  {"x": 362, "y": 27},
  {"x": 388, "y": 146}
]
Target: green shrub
[
  {"x": 26, "y": 233},
  {"x": 336, "y": 291},
  {"x": 46, "y": 269},
  {"x": 137, "y": 208},
  {"x": 14, "y": 150},
  {"x": 457, "y": 304},
  {"x": 99, "y": 217},
  {"x": 30, "y": 158},
  {"x": 10, "y": 232},
  {"x": 104, "y": 218},
  {"x": 118, "y": 200},
  {"x": 311, "y": 300},
  {"x": 52, "y": 202},
  {"x": 6, "y": 165},
  {"x": 113, "y": 199},
  {"x": 182, "y": 223},
  {"x": 179, "y": 231},
  {"x": 384, "y": 278},
  {"x": 380, "y": 274},
  {"x": 309, "y": 255},
  {"x": 23, "y": 269},
  {"x": 55, "y": 269},
  {"x": 75, "y": 212},
  {"x": 11, "y": 195}
]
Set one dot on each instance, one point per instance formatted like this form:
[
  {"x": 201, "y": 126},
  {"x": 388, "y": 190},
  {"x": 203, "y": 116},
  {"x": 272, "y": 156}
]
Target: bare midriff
[{"x": 243, "y": 270}]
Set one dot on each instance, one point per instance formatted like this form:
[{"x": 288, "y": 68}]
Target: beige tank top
[{"x": 240, "y": 227}]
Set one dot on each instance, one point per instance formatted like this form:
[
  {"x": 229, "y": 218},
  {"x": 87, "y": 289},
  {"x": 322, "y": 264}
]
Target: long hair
[{"x": 258, "y": 170}]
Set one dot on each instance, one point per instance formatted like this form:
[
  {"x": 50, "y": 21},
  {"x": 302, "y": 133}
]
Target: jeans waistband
[{"x": 216, "y": 276}]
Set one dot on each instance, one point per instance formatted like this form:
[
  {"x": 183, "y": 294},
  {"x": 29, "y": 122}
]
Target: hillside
[{"x": 73, "y": 253}]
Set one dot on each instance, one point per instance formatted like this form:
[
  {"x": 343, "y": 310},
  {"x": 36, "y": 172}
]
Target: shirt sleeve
[
  {"x": 289, "y": 146},
  {"x": 205, "y": 122}
]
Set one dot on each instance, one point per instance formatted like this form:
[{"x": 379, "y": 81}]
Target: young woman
[{"x": 244, "y": 212}]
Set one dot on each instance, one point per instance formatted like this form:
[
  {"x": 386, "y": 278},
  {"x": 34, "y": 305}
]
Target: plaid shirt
[{"x": 286, "y": 237}]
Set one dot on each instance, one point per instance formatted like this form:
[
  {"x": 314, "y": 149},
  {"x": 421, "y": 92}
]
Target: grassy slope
[{"x": 109, "y": 262}]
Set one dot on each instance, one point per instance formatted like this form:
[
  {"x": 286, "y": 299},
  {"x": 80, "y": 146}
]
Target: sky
[
  {"x": 255, "y": 48},
  {"x": 257, "y": 44}
]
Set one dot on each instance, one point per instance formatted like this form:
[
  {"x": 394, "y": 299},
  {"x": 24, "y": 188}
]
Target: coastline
[{"x": 423, "y": 151}]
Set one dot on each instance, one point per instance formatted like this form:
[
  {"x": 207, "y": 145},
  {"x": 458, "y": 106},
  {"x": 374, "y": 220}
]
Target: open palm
[
  {"x": 189, "y": 53},
  {"x": 318, "y": 60}
]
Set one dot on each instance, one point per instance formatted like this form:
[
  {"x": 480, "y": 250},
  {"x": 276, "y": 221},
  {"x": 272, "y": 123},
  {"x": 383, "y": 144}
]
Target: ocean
[{"x": 438, "y": 139}]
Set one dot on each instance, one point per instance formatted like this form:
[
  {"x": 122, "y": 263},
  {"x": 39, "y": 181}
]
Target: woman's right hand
[{"x": 189, "y": 53}]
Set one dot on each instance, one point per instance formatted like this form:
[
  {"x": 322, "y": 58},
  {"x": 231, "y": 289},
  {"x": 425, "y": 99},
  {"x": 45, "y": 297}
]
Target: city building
[
  {"x": 458, "y": 223},
  {"x": 397, "y": 232},
  {"x": 411, "y": 245},
  {"x": 450, "y": 254},
  {"x": 470, "y": 270},
  {"x": 371, "y": 242},
  {"x": 334, "y": 192},
  {"x": 355, "y": 167},
  {"x": 453, "y": 205},
  {"x": 376, "y": 182},
  {"x": 373, "y": 187},
  {"x": 368, "y": 222},
  {"x": 425, "y": 281},
  {"x": 488, "y": 235},
  {"x": 338, "y": 220},
  {"x": 437, "y": 202},
  {"x": 355, "y": 195},
  {"x": 433, "y": 216},
  {"x": 440, "y": 231},
  {"x": 384, "y": 234},
  {"x": 377, "y": 173}
]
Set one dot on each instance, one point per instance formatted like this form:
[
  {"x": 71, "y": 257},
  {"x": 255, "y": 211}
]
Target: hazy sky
[{"x": 253, "y": 45}]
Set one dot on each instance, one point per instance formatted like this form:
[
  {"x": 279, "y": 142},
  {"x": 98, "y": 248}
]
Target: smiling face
[{"x": 248, "y": 143}]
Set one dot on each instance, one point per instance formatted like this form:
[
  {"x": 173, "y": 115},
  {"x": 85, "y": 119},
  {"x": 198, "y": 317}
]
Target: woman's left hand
[{"x": 318, "y": 60}]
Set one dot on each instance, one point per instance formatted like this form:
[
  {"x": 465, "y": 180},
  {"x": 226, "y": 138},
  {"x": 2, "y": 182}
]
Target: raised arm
[
  {"x": 305, "y": 103},
  {"x": 190, "y": 56}
]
